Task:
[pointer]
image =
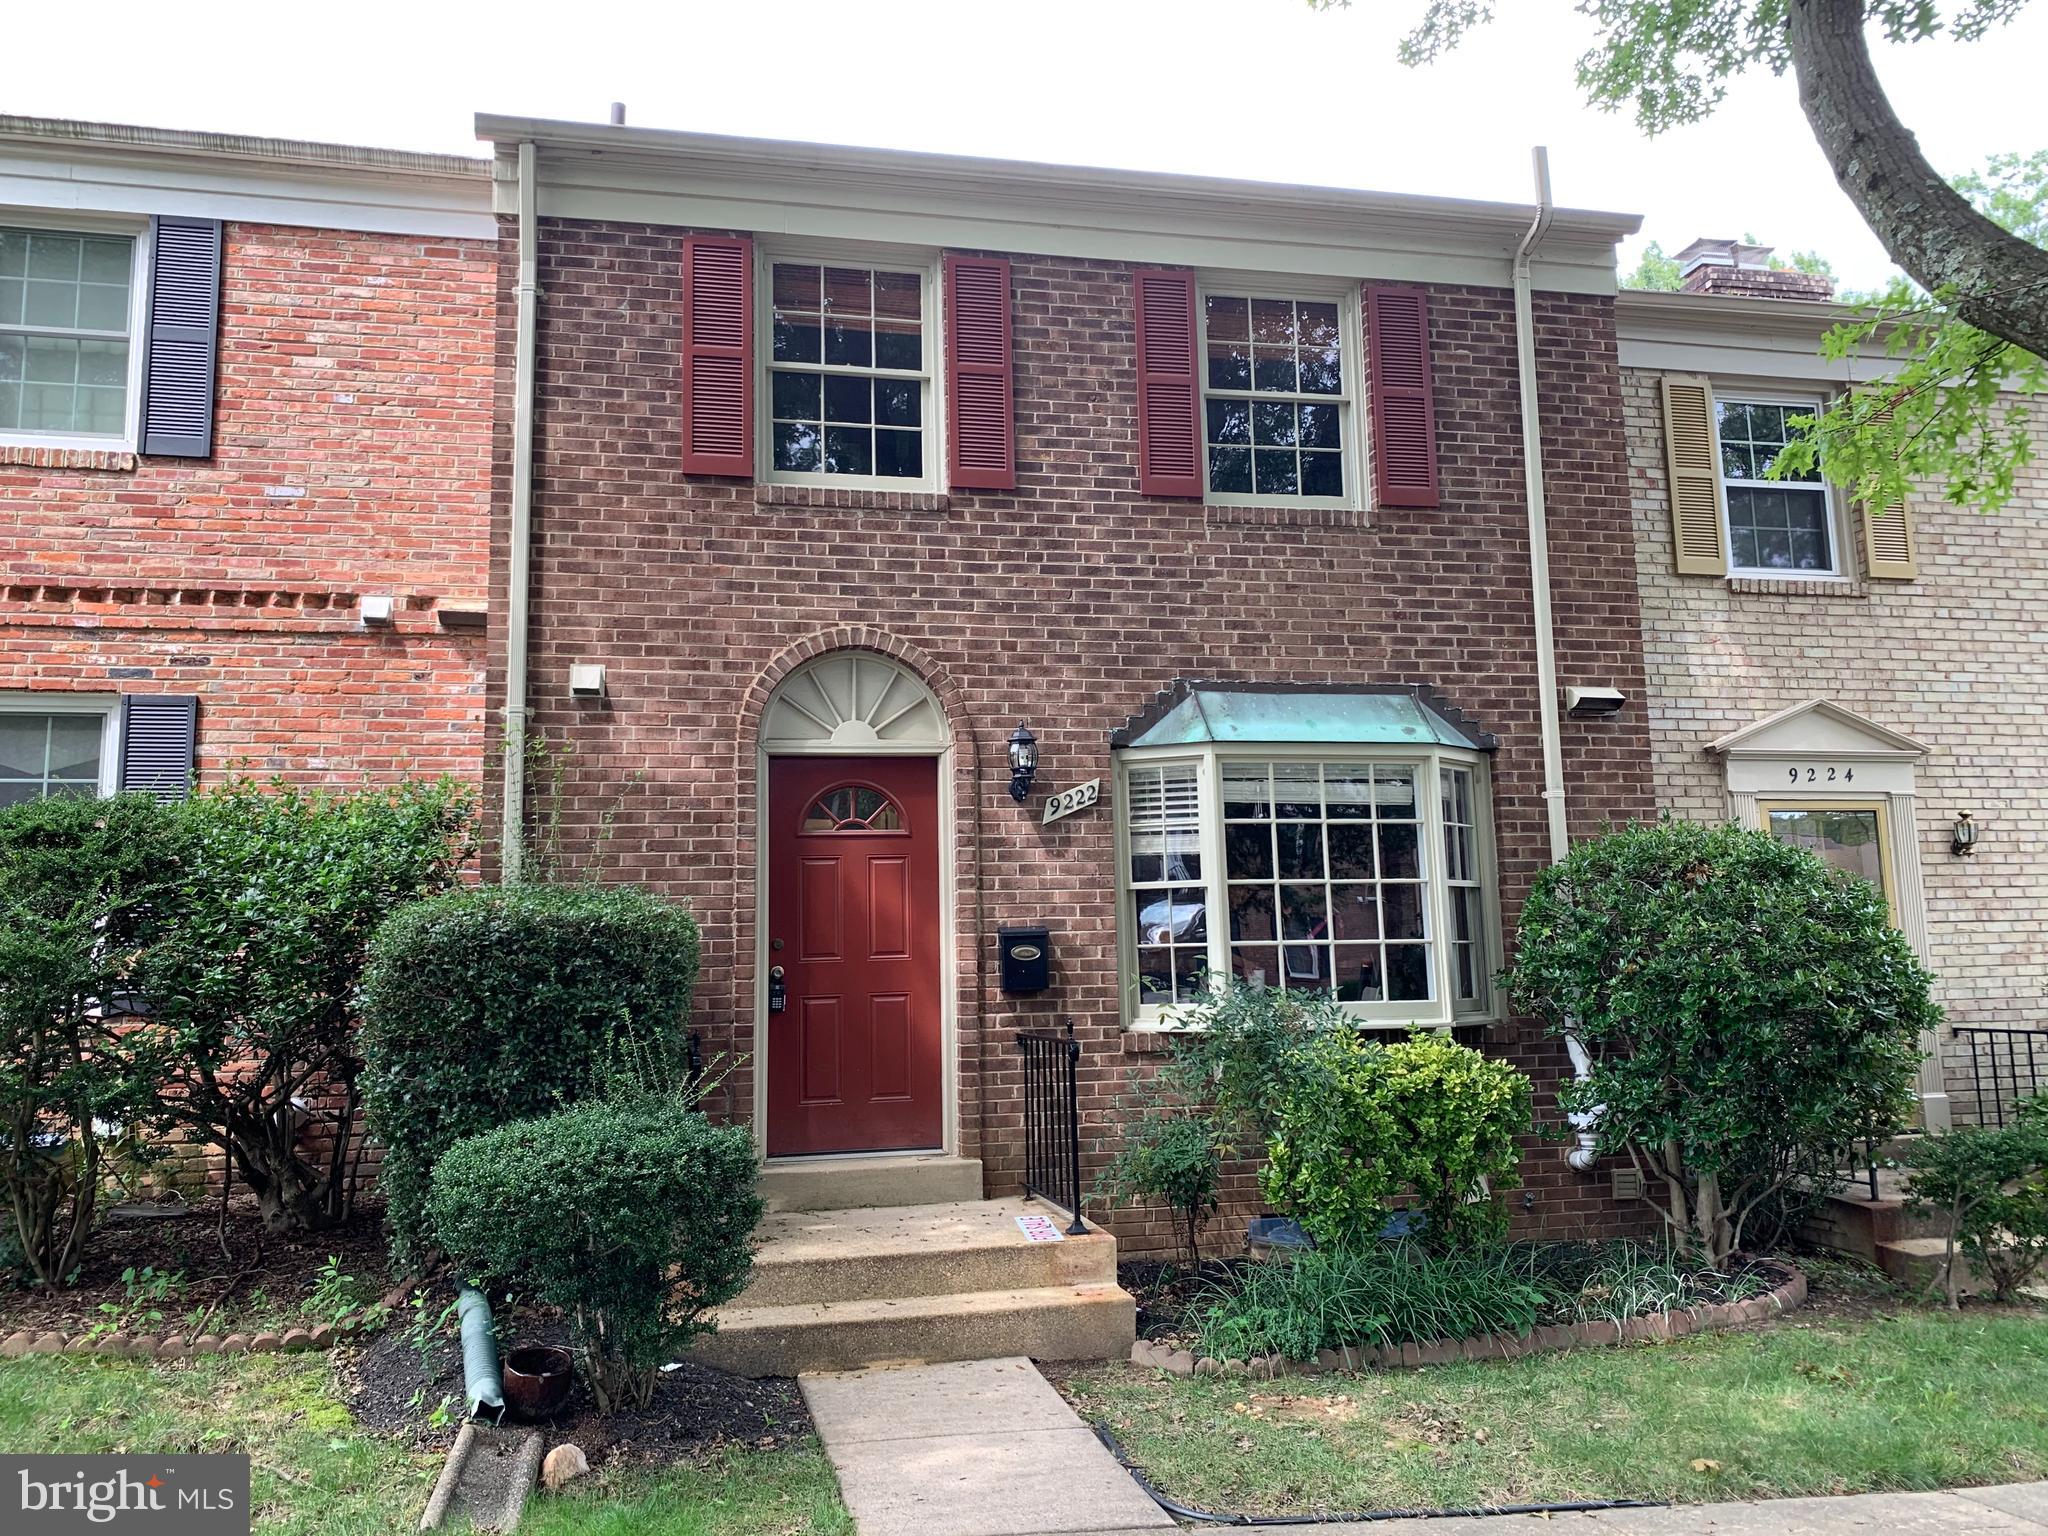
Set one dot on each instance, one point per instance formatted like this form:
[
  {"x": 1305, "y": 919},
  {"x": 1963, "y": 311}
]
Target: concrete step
[
  {"x": 851, "y": 1183},
  {"x": 1915, "y": 1264},
  {"x": 1072, "y": 1322},
  {"x": 917, "y": 1250}
]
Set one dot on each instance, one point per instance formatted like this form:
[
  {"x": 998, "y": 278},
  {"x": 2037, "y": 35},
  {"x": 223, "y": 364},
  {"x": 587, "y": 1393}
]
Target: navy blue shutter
[
  {"x": 158, "y": 735},
  {"x": 183, "y": 340}
]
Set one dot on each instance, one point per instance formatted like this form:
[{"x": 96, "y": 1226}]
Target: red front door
[{"x": 854, "y": 1059}]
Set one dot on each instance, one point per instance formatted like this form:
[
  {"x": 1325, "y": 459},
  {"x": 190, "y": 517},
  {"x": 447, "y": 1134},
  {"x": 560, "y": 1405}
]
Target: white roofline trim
[{"x": 598, "y": 171}]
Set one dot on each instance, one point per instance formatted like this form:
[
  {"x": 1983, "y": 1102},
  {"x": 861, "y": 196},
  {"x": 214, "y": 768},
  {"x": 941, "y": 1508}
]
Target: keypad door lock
[{"x": 778, "y": 990}]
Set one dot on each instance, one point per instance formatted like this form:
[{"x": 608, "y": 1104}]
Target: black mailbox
[{"x": 1027, "y": 959}]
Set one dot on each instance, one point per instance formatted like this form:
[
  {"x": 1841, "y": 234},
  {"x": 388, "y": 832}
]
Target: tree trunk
[{"x": 1929, "y": 228}]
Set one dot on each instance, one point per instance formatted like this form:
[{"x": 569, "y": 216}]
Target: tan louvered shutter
[
  {"x": 1698, "y": 530},
  {"x": 1889, "y": 552}
]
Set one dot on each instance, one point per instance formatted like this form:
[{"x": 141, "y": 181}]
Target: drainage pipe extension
[
  {"x": 1182, "y": 1511},
  {"x": 526, "y": 295},
  {"x": 1583, "y": 1156},
  {"x": 482, "y": 1387}
]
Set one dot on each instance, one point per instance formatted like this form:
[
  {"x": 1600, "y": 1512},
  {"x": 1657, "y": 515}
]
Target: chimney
[{"x": 1737, "y": 270}]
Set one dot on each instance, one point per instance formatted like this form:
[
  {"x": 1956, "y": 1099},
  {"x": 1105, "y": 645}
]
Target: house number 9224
[{"x": 1821, "y": 775}]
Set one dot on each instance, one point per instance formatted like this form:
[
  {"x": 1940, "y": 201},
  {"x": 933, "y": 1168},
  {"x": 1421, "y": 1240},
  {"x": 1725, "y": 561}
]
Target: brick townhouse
[
  {"x": 245, "y": 426},
  {"x": 851, "y": 470},
  {"x": 1866, "y": 682}
]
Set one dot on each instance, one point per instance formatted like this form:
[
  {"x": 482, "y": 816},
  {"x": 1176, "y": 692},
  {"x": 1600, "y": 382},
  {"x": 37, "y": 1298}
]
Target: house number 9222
[{"x": 1821, "y": 775}]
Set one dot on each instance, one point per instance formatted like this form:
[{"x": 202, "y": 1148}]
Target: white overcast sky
[{"x": 1255, "y": 88}]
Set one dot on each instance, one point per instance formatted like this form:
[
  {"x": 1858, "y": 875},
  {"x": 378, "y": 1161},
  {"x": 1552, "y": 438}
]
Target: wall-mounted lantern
[
  {"x": 1023, "y": 761},
  {"x": 1962, "y": 837}
]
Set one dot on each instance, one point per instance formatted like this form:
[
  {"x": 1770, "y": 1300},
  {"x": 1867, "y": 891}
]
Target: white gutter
[
  {"x": 526, "y": 292},
  {"x": 1583, "y": 1156}
]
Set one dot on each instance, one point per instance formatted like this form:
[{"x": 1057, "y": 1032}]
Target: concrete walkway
[
  {"x": 978, "y": 1448},
  {"x": 988, "y": 1448}
]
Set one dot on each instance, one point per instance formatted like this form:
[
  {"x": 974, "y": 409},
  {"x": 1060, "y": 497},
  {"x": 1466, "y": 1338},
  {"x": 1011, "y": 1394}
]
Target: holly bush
[
  {"x": 1747, "y": 1010},
  {"x": 632, "y": 1214},
  {"x": 1371, "y": 1126},
  {"x": 496, "y": 1003}
]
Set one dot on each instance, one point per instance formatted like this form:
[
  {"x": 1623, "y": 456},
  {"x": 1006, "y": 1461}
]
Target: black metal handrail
[
  {"x": 2006, "y": 1063},
  {"x": 1052, "y": 1119}
]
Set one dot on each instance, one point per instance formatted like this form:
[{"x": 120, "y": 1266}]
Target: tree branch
[{"x": 2000, "y": 281}]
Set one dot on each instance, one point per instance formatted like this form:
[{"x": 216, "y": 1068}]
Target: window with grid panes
[
  {"x": 1275, "y": 399},
  {"x": 66, "y": 308},
  {"x": 1368, "y": 878},
  {"x": 849, "y": 383},
  {"x": 1774, "y": 526},
  {"x": 45, "y": 751}
]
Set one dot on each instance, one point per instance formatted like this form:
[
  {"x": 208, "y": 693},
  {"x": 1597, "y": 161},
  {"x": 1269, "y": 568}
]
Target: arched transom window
[
  {"x": 853, "y": 808},
  {"x": 854, "y": 701}
]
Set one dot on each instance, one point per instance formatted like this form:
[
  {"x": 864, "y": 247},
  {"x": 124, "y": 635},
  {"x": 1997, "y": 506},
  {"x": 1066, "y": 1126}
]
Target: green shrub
[
  {"x": 631, "y": 1214},
  {"x": 1375, "y": 1294},
  {"x": 1168, "y": 1154},
  {"x": 497, "y": 1003},
  {"x": 1746, "y": 1010},
  {"x": 1367, "y": 1126},
  {"x": 255, "y": 981},
  {"x": 1990, "y": 1184},
  {"x": 86, "y": 888},
  {"x": 1241, "y": 1052}
]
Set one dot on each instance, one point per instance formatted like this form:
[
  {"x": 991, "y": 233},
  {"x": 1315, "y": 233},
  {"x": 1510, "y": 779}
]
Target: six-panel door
[{"x": 854, "y": 1056}]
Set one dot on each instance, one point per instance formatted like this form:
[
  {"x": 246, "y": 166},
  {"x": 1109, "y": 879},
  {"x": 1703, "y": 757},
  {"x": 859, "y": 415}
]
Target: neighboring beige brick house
[{"x": 1949, "y": 654}]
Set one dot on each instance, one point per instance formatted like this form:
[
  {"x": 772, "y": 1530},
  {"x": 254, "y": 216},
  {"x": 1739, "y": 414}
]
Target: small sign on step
[{"x": 1040, "y": 1229}]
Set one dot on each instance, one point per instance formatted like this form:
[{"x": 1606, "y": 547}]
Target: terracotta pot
[{"x": 537, "y": 1380}]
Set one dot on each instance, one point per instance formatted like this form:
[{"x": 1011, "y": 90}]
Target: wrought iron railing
[
  {"x": 2006, "y": 1065},
  {"x": 1052, "y": 1119},
  {"x": 1856, "y": 1168}
]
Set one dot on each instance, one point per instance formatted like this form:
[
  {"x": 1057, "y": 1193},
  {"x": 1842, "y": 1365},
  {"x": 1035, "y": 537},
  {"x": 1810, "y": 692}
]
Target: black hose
[{"x": 1182, "y": 1511}]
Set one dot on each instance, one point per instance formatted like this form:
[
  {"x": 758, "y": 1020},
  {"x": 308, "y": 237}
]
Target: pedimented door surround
[{"x": 1821, "y": 756}]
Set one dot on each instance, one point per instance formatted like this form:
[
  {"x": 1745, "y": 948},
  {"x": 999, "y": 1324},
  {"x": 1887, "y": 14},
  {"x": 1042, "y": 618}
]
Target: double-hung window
[
  {"x": 1279, "y": 375},
  {"x": 69, "y": 349},
  {"x": 1775, "y": 527},
  {"x": 849, "y": 375},
  {"x": 61, "y": 745},
  {"x": 1362, "y": 873}
]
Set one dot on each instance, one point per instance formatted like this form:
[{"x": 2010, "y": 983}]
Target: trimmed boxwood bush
[
  {"x": 497, "y": 1003},
  {"x": 630, "y": 1214}
]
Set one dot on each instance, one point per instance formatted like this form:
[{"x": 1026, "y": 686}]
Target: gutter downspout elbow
[
  {"x": 518, "y": 581},
  {"x": 1586, "y": 1154}
]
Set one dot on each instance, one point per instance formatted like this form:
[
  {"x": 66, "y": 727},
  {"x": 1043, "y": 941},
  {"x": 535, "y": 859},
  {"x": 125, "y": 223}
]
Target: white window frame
[
  {"x": 1441, "y": 1010},
  {"x": 1738, "y": 394},
  {"x": 1350, "y": 304},
  {"x": 129, "y": 439},
  {"x": 932, "y": 405},
  {"x": 105, "y": 705}
]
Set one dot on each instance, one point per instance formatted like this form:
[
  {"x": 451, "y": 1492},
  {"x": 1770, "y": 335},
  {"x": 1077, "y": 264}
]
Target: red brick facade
[
  {"x": 1068, "y": 603},
  {"x": 351, "y": 457}
]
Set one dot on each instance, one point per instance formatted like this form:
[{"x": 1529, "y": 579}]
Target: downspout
[
  {"x": 518, "y": 580},
  {"x": 1583, "y": 1156}
]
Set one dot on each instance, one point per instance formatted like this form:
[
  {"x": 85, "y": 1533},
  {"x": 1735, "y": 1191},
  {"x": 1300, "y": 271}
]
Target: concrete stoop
[
  {"x": 858, "y": 1183},
  {"x": 1886, "y": 1232},
  {"x": 838, "y": 1290}
]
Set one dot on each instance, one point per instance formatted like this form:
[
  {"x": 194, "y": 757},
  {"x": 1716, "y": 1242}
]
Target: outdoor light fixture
[
  {"x": 1023, "y": 761},
  {"x": 1962, "y": 837}
]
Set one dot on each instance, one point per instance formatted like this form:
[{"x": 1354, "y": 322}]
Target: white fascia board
[
  {"x": 827, "y": 192},
  {"x": 1739, "y": 338},
  {"x": 66, "y": 176}
]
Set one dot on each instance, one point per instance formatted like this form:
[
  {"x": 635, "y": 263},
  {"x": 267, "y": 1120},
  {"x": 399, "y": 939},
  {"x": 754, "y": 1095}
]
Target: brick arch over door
[{"x": 974, "y": 1052}]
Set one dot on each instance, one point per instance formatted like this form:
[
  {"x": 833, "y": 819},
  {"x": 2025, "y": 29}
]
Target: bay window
[{"x": 1360, "y": 871}]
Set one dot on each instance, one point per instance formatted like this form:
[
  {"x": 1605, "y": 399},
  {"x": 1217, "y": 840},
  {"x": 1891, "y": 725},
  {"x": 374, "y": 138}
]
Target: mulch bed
[
  {"x": 1166, "y": 1290},
  {"x": 392, "y": 1386},
  {"x": 259, "y": 1280}
]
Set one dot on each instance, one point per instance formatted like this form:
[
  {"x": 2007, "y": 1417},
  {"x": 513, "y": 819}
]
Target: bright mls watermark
[{"x": 137, "y": 1495}]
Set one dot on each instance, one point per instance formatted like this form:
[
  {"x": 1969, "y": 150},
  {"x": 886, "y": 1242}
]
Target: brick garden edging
[
  {"x": 1549, "y": 1339},
  {"x": 175, "y": 1346}
]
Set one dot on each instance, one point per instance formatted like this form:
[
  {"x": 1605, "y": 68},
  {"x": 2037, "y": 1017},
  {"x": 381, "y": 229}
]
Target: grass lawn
[
  {"x": 316, "y": 1473},
  {"x": 1919, "y": 1400}
]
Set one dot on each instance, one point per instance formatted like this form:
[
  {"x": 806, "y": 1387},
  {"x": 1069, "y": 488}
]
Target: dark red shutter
[
  {"x": 1403, "y": 414},
  {"x": 981, "y": 438},
  {"x": 1169, "y": 386},
  {"x": 718, "y": 355}
]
